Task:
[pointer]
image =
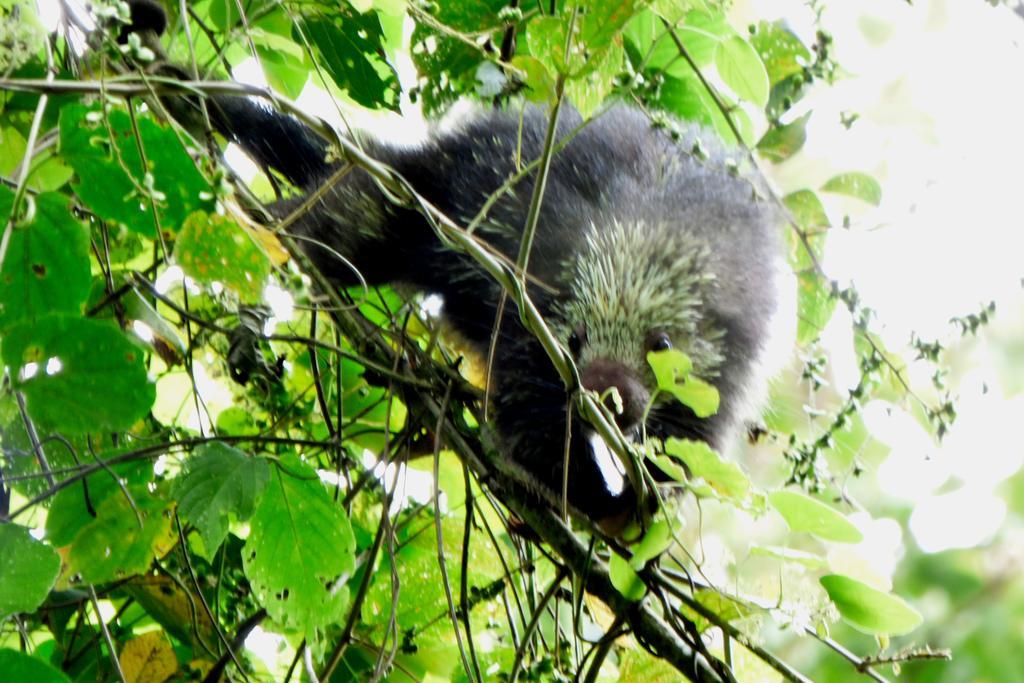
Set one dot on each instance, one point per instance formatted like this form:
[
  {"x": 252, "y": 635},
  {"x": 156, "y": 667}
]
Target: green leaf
[
  {"x": 672, "y": 372},
  {"x": 655, "y": 541},
  {"x": 807, "y": 209},
  {"x": 868, "y": 609},
  {"x": 688, "y": 98},
  {"x": 625, "y": 579},
  {"x": 859, "y": 185},
  {"x": 123, "y": 539},
  {"x": 782, "y": 142},
  {"x": 538, "y": 84},
  {"x": 137, "y": 308},
  {"x": 781, "y": 52},
  {"x": 803, "y": 513},
  {"x": 219, "y": 482},
  {"x": 588, "y": 89},
  {"x": 448, "y": 64},
  {"x": 213, "y": 248},
  {"x": 46, "y": 269},
  {"x": 111, "y": 180},
  {"x": 727, "y": 478},
  {"x": 790, "y": 555},
  {"x": 669, "y": 466},
  {"x": 300, "y": 551},
  {"x": 47, "y": 172},
  {"x": 740, "y": 67},
  {"x": 70, "y": 511},
  {"x": 545, "y": 38},
  {"x": 18, "y": 666},
  {"x": 423, "y": 591},
  {"x": 28, "y": 570},
  {"x": 349, "y": 44},
  {"x": 285, "y": 74},
  {"x": 701, "y": 33},
  {"x": 601, "y": 20},
  {"x": 815, "y": 305},
  {"x": 727, "y": 608},
  {"x": 78, "y": 375}
]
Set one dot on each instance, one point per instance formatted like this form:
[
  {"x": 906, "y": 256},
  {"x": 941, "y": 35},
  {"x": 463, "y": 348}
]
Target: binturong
[{"x": 644, "y": 242}]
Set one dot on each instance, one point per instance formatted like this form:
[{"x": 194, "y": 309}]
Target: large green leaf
[
  {"x": 78, "y": 374},
  {"x": 300, "y": 551},
  {"x": 701, "y": 33},
  {"x": 740, "y": 67},
  {"x": 111, "y": 179},
  {"x": 220, "y": 482},
  {"x": 868, "y": 609},
  {"x": 803, "y": 513},
  {"x": 28, "y": 570},
  {"x": 213, "y": 248},
  {"x": 46, "y": 268},
  {"x": 18, "y": 666}
]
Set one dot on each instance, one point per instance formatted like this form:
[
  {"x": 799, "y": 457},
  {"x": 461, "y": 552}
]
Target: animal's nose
[{"x": 601, "y": 375}]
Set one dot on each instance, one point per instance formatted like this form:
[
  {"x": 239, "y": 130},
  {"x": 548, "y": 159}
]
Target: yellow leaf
[{"x": 148, "y": 659}]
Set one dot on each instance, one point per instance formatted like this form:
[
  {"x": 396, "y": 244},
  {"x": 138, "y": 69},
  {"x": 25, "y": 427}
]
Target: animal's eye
[
  {"x": 576, "y": 340},
  {"x": 659, "y": 341}
]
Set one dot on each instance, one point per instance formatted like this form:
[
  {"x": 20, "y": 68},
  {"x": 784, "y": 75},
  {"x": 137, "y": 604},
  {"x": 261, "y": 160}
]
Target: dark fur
[{"x": 617, "y": 168}]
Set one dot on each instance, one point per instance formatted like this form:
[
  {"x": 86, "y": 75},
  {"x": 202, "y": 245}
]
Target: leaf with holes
[
  {"x": 213, "y": 248},
  {"x": 349, "y": 44},
  {"x": 781, "y": 51},
  {"x": 301, "y": 551},
  {"x": 111, "y": 179},
  {"x": 77, "y": 374},
  {"x": 220, "y": 482},
  {"x": 46, "y": 269},
  {"x": 28, "y": 570}
]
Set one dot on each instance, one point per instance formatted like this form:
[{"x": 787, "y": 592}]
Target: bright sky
[{"x": 938, "y": 89}]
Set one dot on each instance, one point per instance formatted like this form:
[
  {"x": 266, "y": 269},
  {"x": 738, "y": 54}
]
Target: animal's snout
[{"x": 602, "y": 375}]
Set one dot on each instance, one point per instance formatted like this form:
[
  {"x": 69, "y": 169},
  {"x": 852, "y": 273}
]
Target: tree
[{"x": 217, "y": 448}]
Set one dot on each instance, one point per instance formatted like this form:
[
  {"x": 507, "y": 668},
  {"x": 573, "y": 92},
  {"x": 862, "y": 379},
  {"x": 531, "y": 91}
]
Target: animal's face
[{"x": 637, "y": 288}]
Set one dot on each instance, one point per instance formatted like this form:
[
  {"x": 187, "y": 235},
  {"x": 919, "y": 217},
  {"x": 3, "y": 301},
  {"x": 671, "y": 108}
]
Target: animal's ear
[{"x": 147, "y": 15}]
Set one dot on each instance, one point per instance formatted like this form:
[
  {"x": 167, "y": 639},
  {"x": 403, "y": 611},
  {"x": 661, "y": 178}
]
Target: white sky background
[{"x": 939, "y": 89}]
